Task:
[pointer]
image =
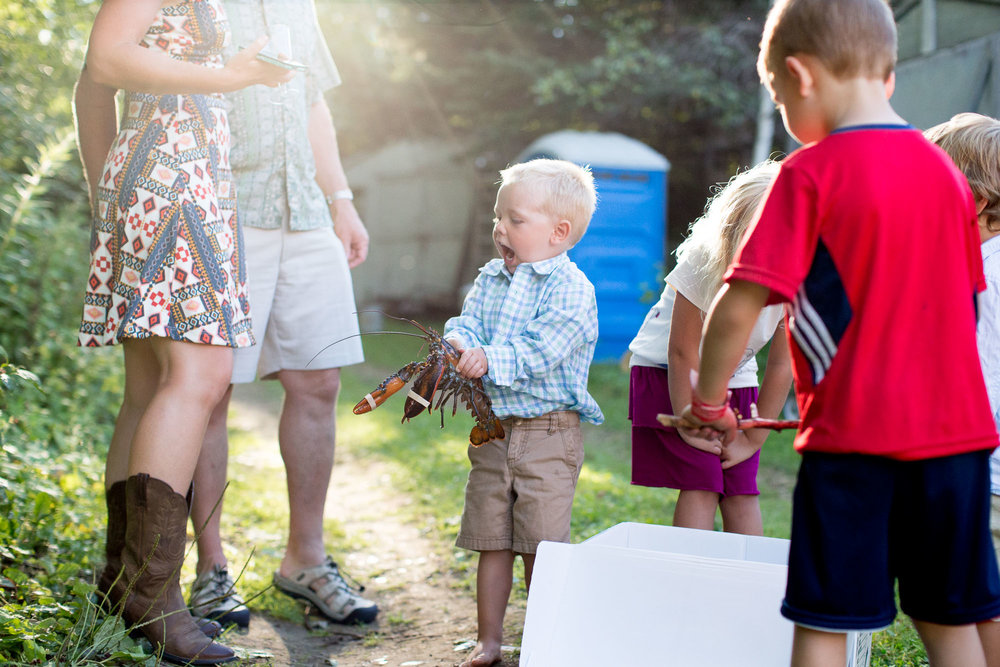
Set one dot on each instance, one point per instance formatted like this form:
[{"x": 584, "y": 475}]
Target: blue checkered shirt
[{"x": 538, "y": 329}]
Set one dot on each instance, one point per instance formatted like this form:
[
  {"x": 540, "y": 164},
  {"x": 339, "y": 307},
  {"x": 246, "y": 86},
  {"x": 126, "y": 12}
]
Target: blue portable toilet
[{"x": 624, "y": 248}]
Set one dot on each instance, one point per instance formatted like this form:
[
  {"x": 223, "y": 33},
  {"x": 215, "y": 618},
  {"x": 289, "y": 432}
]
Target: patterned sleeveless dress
[{"x": 166, "y": 249}]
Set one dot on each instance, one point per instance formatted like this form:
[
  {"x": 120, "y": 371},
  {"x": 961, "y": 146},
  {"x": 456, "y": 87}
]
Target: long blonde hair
[{"x": 718, "y": 232}]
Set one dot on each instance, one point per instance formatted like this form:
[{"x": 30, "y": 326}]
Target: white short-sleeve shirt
[{"x": 649, "y": 347}]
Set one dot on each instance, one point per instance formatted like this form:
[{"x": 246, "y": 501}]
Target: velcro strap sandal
[{"x": 324, "y": 587}]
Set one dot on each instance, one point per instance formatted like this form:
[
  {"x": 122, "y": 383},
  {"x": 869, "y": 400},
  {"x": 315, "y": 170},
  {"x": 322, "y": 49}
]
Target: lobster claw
[
  {"x": 478, "y": 435},
  {"x": 491, "y": 429},
  {"x": 389, "y": 386},
  {"x": 421, "y": 395},
  {"x": 496, "y": 429}
]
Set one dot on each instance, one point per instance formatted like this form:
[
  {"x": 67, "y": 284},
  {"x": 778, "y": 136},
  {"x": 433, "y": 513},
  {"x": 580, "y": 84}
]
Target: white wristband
[{"x": 339, "y": 194}]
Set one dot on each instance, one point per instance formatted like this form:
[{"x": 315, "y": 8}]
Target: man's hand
[{"x": 351, "y": 231}]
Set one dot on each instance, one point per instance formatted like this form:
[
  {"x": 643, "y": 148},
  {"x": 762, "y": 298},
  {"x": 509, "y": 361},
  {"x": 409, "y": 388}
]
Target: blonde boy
[
  {"x": 528, "y": 328},
  {"x": 973, "y": 142},
  {"x": 869, "y": 232}
]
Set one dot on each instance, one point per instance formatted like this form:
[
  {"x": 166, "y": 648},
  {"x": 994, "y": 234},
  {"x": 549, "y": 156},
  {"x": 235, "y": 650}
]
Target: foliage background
[{"x": 495, "y": 75}]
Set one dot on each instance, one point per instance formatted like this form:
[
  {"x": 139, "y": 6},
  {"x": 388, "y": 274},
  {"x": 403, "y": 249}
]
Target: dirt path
[{"x": 424, "y": 617}]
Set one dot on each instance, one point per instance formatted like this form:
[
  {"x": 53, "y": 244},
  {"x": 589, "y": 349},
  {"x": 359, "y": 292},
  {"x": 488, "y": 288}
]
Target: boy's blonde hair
[
  {"x": 717, "y": 234},
  {"x": 973, "y": 143},
  {"x": 850, "y": 37},
  {"x": 569, "y": 190}
]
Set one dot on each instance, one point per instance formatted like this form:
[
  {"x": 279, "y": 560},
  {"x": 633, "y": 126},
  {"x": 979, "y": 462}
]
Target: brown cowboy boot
[
  {"x": 155, "y": 537},
  {"x": 115, "y": 541},
  {"x": 114, "y": 497}
]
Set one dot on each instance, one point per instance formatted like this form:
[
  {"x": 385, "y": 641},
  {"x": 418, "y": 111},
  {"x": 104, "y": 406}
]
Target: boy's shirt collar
[
  {"x": 873, "y": 126},
  {"x": 544, "y": 266}
]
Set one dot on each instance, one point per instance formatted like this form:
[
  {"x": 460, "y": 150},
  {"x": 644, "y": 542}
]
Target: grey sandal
[{"x": 324, "y": 587}]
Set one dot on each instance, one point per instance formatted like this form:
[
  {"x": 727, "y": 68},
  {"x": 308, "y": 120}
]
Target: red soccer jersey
[{"x": 871, "y": 235}]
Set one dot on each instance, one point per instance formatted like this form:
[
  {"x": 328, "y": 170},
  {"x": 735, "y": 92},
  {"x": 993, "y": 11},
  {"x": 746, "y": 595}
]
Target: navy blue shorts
[{"x": 860, "y": 523}]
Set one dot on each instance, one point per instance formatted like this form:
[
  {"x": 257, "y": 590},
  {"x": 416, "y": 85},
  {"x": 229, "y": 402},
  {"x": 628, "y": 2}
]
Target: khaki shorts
[
  {"x": 301, "y": 301},
  {"x": 520, "y": 489}
]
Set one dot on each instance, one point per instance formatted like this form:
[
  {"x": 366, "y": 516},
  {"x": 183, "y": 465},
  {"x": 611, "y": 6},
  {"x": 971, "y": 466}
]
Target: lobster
[{"x": 435, "y": 382}]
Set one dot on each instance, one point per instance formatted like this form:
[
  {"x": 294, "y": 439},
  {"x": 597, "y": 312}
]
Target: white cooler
[{"x": 648, "y": 594}]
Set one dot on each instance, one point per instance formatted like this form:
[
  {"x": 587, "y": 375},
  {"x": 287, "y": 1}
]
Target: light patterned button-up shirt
[
  {"x": 538, "y": 329},
  {"x": 988, "y": 334},
  {"x": 271, "y": 157}
]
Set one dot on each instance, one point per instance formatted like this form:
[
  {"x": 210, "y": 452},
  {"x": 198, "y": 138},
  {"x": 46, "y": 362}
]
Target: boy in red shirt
[{"x": 869, "y": 233}]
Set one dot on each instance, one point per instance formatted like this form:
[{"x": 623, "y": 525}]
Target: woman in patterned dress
[{"x": 166, "y": 281}]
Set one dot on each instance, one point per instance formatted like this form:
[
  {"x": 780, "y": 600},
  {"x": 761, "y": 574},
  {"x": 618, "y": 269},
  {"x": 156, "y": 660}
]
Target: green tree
[{"x": 680, "y": 77}]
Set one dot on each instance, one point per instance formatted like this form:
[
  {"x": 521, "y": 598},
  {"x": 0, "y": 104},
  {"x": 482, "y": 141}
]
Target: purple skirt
[{"x": 661, "y": 458}]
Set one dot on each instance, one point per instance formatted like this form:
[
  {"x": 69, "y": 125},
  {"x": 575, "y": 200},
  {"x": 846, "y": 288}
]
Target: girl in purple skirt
[{"x": 665, "y": 352}]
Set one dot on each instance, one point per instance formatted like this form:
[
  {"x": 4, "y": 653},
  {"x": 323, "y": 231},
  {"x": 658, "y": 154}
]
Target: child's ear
[
  {"x": 561, "y": 231},
  {"x": 800, "y": 74}
]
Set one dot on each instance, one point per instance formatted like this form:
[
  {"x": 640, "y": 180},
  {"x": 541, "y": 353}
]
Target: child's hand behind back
[
  {"x": 710, "y": 446},
  {"x": 740, "y": 449}
]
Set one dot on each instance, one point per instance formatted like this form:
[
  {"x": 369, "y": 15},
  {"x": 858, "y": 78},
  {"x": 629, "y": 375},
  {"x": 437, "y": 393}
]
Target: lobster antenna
[{"x": 363, "y": 333}]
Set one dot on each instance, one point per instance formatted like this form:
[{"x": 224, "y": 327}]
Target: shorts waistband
[{"x": 550, "y": 421}]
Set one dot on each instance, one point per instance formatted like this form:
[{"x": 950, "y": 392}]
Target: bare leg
[
  {"x": 142, "y": 375},
  {"x": 306, "y": 436},
  {"x": 493, "y": 584},
  {"x": 951, "y": 645},
  {"x": 529, "y": 568},
  {"x": 815, "y": 648},
  {"x": 209, "y": 484},
  {"x": 741, "y": 514},
  {"x": 696, "y": 509},
  {"x": 989, "y": 636},
  {"x": 169, "y": 434}
]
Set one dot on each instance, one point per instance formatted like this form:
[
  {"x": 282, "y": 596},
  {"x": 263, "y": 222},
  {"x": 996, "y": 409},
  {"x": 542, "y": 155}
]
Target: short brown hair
[
  {"x": 850, "y": 37},
  {"x": 973, "y": 143}
]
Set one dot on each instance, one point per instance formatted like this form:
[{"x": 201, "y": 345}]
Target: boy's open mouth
[{"x": 506, "y": 252}]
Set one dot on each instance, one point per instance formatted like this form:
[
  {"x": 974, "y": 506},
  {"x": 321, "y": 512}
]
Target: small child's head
[
  {"x": 717, "y": 234},
  {"x": 973, "y": 143},
  {"x": 845, "y": 39},
  {"x": 543, "y": 208}
]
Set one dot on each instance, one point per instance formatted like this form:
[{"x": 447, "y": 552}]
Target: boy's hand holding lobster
[{"x": 472, "y": 363}]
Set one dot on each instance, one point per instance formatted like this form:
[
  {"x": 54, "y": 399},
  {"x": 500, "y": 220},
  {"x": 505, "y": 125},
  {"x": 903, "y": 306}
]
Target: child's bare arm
[
  {"x": 682, "y": 359},
  {"x": 730, "y": 321},
  {"x": 774, "y": 386}
]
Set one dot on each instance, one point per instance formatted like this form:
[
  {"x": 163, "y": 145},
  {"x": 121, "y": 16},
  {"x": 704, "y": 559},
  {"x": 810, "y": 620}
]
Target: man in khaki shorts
[{"x": 303, "y": 235}]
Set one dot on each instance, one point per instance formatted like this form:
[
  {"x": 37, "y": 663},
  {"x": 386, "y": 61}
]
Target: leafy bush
[{"x": 57, "y": 403}]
